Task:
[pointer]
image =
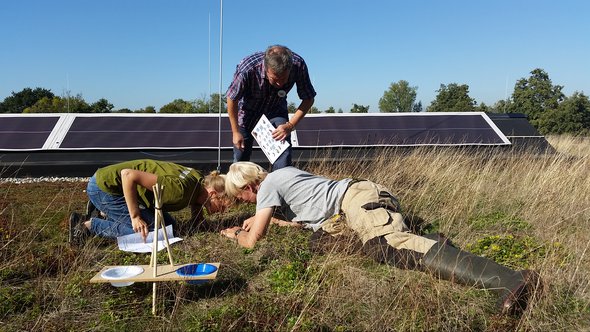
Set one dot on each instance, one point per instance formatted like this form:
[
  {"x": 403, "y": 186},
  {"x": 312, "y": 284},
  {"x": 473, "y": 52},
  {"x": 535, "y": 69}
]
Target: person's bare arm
[
  {"x": 301, "y": 111},
  {"x": 282, "y": 131},
  {"x": 232, "y": 111},
  {"x": 273, "y": 220},
  {"x": 284, "y": 223},
  {"x": 130, "y": 178},
  {"x": 258, "y": 228}
]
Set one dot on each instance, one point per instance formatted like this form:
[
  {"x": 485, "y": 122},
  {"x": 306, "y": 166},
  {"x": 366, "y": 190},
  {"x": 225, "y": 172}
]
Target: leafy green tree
[
  {"x": 417, "y": 107},
  {"x": 535, "y": 95},
  {"x": 19, "y": 101},
  {"x": 291, "y": 107},
  {"x": 178, "y": 106},
  {"x": 399, "y": 98},
  {"x": 359, "y": 109},
  {"x": 340, "y": 110},
  {"x": 60, "y": 105},
  {"x": 46, "y": 105},
  {"x": 330, "y": 110},
  {"x": 572, "y": 116},
  {"x": 77, "y": 104},
  {"x": 148, "y": 109},
  {"x": 313, "y": 110},
  {"x": 483, "y": 108},
  {"x": 126, "y": 110},
  {"x": 214, "y": 103},
  {"x": 202, "y": 106},
  {"x": 452, "y": 98},
  {"x": 501, "y": 106},
  {"x": 101, "y": 106}
]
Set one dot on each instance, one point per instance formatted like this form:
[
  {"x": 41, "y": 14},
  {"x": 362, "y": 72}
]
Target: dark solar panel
[
  {"x": 399, "y": 129},
  {"x": 126, "y": 132},
  {"x": 25, "y": 133}
]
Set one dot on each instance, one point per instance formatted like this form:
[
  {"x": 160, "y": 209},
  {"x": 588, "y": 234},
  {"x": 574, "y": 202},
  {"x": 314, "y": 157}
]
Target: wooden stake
[{"x": 157, "y": 204}]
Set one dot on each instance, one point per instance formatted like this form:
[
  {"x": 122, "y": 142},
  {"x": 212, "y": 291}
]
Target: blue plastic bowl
[{"x": 193, "y": 270}]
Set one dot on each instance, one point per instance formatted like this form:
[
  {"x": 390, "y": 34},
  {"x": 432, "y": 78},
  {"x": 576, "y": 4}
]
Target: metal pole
[{"x": 220, "y": 83}]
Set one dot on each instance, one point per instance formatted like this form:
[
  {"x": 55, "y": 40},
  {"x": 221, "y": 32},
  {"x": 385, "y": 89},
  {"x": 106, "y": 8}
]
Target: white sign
[
  {"x": 272, "y": 148},
  {"x": 134, "y": 242}
]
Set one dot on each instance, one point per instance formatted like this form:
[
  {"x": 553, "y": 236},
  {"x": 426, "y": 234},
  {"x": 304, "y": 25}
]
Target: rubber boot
[
  {"x": 515, "y": 288},
  {"x": 379, "y": 250}
]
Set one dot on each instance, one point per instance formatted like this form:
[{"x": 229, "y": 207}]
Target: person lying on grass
[
  {"x": 123, "y": 194},
  {"x": 373, "y": 214}
]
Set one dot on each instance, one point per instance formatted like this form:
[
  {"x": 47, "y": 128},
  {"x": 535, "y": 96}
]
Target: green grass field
[{"x": 524, "y": 211}]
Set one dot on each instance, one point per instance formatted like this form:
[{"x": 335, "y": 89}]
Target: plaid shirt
[{"x": 256, "y": 96}]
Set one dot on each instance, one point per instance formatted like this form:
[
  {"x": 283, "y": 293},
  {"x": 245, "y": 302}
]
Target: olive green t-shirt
[{"x": 180, "y": 184}]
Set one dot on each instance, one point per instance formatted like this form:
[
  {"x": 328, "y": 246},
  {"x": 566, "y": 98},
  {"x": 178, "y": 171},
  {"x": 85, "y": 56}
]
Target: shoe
[
  {"x": 515, "y": 288},
  {"x": 514, "y": 301},
  {"x": 78, "y": 233},
  {"x": 91, "y": 211}
]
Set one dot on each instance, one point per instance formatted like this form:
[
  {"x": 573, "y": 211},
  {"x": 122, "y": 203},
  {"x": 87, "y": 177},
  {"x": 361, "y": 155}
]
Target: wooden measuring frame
[{"x": 153, "y": 272}]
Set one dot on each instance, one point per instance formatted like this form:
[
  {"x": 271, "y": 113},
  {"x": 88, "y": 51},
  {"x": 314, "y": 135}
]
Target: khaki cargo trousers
[{"x": 364, "y": 207}]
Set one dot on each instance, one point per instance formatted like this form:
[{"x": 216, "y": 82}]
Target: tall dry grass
[
  {"x": 280, "y": 285},
  {"x": 549, "y": 196}
]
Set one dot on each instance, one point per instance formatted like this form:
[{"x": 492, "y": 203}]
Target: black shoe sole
[
  {"x": 91, "y": 210},
  {"x": 73, "y": 222}
]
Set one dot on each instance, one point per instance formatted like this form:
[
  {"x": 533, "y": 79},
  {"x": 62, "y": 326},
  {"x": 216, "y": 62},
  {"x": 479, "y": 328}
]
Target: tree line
[{"x": 545, "y": 105}]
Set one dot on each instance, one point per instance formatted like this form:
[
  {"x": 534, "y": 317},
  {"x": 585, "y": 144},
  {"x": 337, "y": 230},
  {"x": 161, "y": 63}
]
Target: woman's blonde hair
[
  {"x": 241, "y": 174},
  {"x": 215, "y": 180}
]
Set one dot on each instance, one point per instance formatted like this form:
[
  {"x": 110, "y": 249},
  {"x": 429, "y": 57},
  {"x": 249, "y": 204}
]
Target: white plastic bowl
[{"x": 120, "y": 273}]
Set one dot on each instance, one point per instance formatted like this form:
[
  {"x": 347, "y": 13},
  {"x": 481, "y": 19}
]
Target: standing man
[{"x": 260, "y": 86}]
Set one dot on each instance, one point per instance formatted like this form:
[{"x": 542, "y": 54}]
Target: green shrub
[
  {"x": 498, "y": 219},
  {"x": 287, "y": 277},
  {"x": 516, "y": 252},
  {"x": 16, "y": 300}
]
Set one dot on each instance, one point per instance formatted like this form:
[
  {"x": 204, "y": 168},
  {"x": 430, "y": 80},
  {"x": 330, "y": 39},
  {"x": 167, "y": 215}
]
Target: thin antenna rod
[
  {"x": 68, "y": 91},
  {"x": 220, "y": 83},
  {"x": 209, "y": 96},
  {"x": 506, "y": 94}
]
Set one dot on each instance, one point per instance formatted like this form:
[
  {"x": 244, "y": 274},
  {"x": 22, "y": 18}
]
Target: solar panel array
[
  {"x": 400, "y": 129},
  {"x": 32, "y": 132}
]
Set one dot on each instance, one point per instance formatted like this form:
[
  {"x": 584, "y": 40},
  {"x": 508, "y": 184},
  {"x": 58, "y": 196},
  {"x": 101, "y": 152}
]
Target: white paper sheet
[
  {"x": 272, "y": 148},
  {"x": 134, "y": 242}
]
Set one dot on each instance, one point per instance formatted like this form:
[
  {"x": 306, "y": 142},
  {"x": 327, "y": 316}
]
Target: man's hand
[
  {"x": 282, "y": 131},
  {"x": 238, "y": 140},
  {"x": 140, "y": 226}
]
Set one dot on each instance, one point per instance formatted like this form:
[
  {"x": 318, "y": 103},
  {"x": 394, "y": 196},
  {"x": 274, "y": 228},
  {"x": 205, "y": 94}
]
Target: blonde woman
[
  {"x": 373, "y": 214},
  {"x": 123, "y": 194}
]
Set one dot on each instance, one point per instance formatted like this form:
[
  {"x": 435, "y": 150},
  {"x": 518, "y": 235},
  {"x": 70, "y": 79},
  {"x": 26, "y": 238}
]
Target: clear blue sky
[{"x": 148, "y": 53}]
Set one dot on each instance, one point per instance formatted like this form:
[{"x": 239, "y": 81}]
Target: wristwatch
[{"x": 238, "y": 231}]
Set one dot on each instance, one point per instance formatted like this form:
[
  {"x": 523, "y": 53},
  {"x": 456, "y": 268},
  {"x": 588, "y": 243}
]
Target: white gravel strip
[{"x": 43, "y": 179}]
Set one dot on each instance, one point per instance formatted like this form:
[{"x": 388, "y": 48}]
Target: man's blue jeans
[
  {"x": 118, "y": 220},
  {"x": 283, "y": 160}
]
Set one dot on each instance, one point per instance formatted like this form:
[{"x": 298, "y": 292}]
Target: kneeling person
[{"x": 123, "y": 194}]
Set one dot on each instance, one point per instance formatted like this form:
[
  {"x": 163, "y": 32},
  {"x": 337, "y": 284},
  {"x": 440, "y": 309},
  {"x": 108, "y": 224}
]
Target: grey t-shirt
[{"x": 301, "y": 196}]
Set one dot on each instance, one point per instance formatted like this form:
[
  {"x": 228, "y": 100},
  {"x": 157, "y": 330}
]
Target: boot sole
[{"x": 518, "y": 298}]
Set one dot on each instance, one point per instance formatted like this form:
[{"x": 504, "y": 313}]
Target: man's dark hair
[{"x": 278, "y": 59}]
